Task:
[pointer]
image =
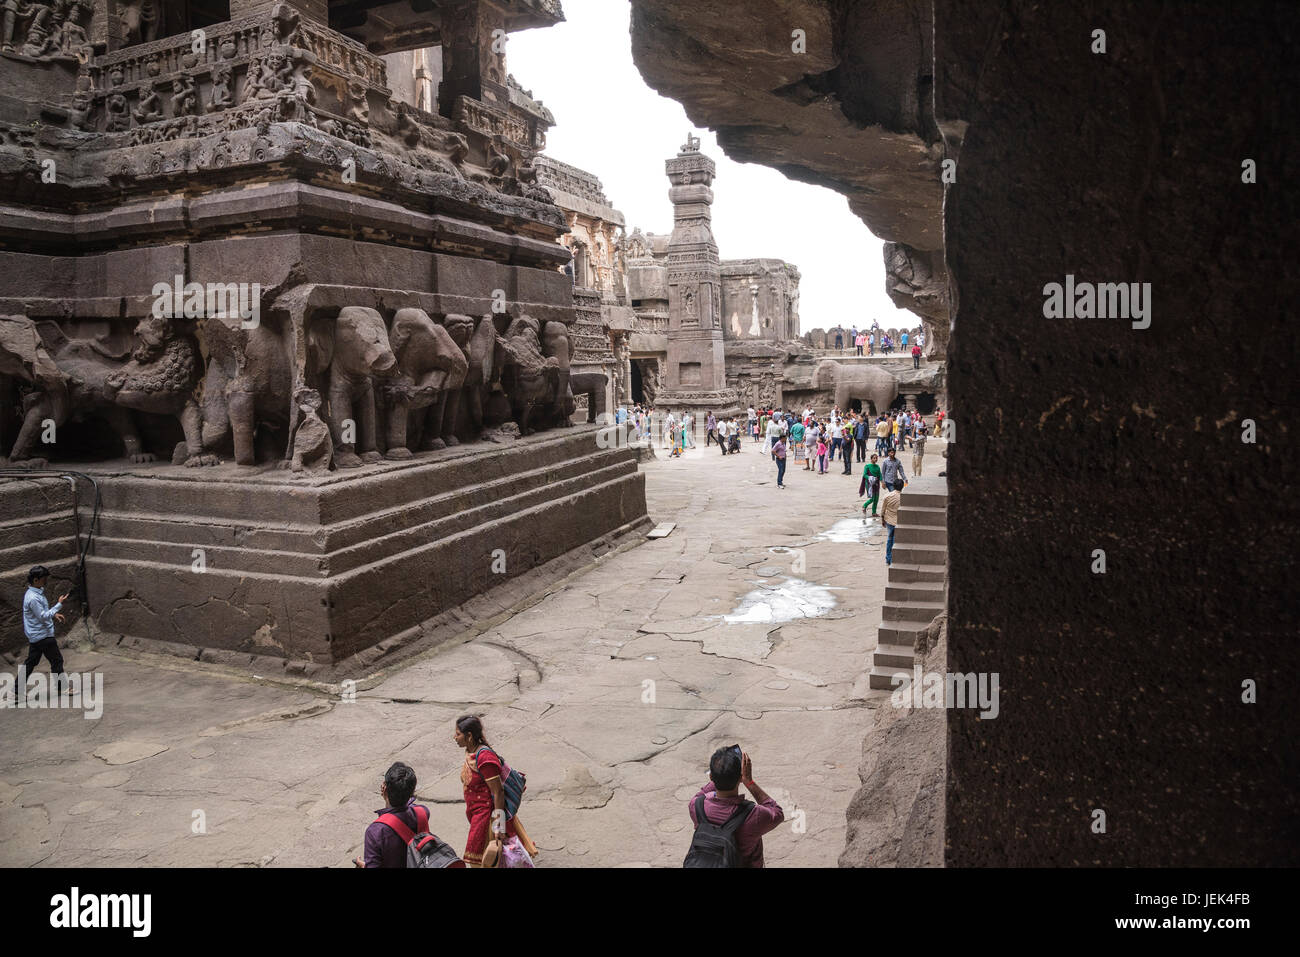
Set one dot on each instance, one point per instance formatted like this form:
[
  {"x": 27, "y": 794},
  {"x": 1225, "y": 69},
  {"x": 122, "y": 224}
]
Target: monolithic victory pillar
[{"x": 696, "y": 375}]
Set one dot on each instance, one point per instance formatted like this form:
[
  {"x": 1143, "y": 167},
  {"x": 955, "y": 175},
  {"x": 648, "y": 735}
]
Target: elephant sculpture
[
  {"x": 348, "y": 355},
  {"x": 591, "y": 384},
  {"x": 431, "y": 368},
  {"x": 529, "y": 377},
  {"x": 247, "y": 391},
  {"x": 850, "y": 381},
  {"x": 484, "y": 356},
  {"x": 555, "y": 345},
  {"x": 71, "y": 378}
]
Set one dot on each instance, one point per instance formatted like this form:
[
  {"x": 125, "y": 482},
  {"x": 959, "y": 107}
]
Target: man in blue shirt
[{"x": 38, "y": 623}]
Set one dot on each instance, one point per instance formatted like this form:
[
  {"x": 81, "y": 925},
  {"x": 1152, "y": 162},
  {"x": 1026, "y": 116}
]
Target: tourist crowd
[{"x": 868, "y": 341}]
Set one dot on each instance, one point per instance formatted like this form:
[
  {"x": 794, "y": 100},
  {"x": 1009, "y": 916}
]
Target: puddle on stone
[
  {"x": 850, "y": 530},
  {"x": 789, "y": 600}
]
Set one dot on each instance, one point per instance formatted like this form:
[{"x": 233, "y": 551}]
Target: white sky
[{"x": 610, "y": 123}]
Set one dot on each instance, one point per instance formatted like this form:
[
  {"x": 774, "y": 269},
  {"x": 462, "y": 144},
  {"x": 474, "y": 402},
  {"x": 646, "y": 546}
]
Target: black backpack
[
  {"x": 422, "y": 848},
  {"x": 715, "y": 845}
]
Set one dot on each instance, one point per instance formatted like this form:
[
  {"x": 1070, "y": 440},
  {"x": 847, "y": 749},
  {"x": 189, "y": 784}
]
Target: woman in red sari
[{"x": 481, "y": 775}]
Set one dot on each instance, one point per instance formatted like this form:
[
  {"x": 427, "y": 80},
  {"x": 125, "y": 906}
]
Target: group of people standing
[{"x": 867, "y": 341}]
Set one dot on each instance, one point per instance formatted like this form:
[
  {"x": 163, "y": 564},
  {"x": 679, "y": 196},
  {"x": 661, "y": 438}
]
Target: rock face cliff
[{"x": 1161, "y": 159}]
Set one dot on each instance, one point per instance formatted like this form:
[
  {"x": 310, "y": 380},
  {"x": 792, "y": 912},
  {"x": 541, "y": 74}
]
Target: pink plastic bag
[{"x": 514, "y": 855}]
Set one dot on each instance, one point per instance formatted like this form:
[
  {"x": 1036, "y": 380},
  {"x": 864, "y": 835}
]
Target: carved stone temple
[{"x": 310, "y": 336}]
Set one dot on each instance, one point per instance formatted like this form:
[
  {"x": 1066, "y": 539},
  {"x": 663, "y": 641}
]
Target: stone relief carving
[
  {"x": 69, "y": 379},
  {"x": 430, "y": 369}
]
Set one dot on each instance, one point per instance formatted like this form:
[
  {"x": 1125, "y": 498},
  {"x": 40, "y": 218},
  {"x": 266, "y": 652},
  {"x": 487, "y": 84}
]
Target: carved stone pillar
[
  {"x": 473, "y": 54},
  {"x": 910, "y": 399}
]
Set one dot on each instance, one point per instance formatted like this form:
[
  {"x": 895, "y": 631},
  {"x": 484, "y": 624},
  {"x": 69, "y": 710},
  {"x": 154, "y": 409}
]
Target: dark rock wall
[{"x": 1122, "y": 691}]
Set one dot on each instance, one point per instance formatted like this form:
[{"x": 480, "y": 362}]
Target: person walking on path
[
  {"x": 38, "y": 625},
  {"x": 821, "y": 454},
  {"x": 918, "y": 453},
  {"x": 779, "y": 454},
  {"x": 711, "y": 424},
  {"x": 889, "y": 516},
  {"x": 870, "y": 487},
  {"x": 902, "y": 341},
  {"x": 892, "y": 472},
  {"x": 482, "y": 776},
  {"x": 860, "y": 341},
  {"x": 916, "y": 356}
]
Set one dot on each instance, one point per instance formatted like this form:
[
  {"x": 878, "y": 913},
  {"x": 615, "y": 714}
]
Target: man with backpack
[
  {"x": 728, "y": 828},
  {"x": 391, "y": 839}
]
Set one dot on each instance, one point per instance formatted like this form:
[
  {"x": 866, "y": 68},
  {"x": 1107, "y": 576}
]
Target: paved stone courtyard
[{"x": 753, "y": 622}]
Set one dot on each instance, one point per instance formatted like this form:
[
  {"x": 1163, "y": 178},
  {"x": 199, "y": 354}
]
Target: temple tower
[{"x": 696, "y": 374}]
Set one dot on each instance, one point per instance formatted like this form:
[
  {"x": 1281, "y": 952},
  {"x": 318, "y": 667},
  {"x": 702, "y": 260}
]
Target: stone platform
[{"x": 319, "y": 571}]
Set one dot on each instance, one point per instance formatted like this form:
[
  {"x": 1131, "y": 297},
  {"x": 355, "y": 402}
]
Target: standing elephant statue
[
  {"x": 529, "y": 377},
  {"x": 555, "y": 345},
  {"x": 349, "y": 354},
  {"x": 430, "y": 369},
  {"x": 856, "y": 381},
  {"x": 484, "y": 357},
  {"x": 247, "y": 392}
]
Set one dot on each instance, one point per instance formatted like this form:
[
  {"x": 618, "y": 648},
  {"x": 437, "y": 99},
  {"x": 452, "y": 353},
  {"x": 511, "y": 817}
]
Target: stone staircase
[{"x": 916, "y": 590}]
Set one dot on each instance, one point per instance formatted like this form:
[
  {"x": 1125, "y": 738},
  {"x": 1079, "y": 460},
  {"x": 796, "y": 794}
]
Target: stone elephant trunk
[
  {"x": 430, "y": 373},
  {"x": 349, "y": 355}
]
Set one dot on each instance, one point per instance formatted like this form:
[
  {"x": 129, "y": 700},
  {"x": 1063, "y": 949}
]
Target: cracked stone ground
[{"x": 711, "y": 615}]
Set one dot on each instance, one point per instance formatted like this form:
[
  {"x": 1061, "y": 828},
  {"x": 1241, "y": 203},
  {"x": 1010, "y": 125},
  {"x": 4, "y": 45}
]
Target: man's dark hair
[
  {"x": 400, "y": 783},
  {"x": 724, "y": 769},
  {"x": 37, "y": 573}
]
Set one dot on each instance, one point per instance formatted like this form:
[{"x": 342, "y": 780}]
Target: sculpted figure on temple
[
  {"x": 430, "y": 368},
  {"x": 312, "y": 445},
  {"x": 42, "y": 29},
  {"x": 221, "y": 97},
  {"x": 115, "y": 108},
  {"x": 79, "y": 113},
  {"x": 139, "y": 20},
  {"x": 555, "y": 345},
  {"x": 303, "y": 88},
  {"x": 529, "y": 377},
  {"x": 358, "y": 106},
  {"x": 149, "y": 108},
  {"x": 85, "y": 378},
  {"x": 499, "y": 161},
  {"x": 483, "y": 354},
  {"x": 350, "y": 354},
  {"x": 185, "y": 100},
  {"x": 284, "y": 20},
  {"x": 246, "y": 393}
]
